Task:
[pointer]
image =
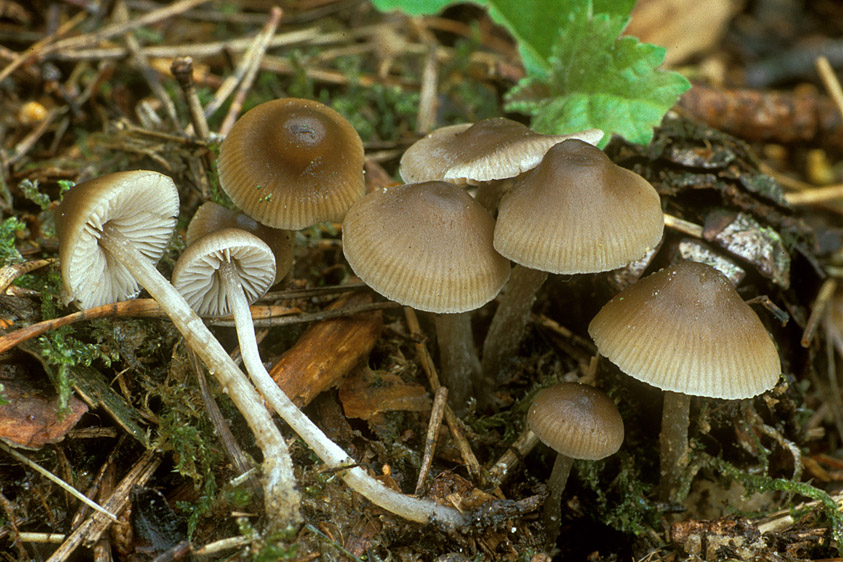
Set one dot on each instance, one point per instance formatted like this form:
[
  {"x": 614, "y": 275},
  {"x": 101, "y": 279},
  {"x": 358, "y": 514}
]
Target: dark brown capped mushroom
[{"x": 291, "y": 163}]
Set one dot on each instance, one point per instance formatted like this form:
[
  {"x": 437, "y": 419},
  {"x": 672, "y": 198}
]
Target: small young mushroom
[
  {"x": 578, "y": 422},
  {"x": 100, "y": 215},
  {"x": 291, "y": 163},
  {"x": 429, "y": 246},
  {"x": 481, "y": 154},
  {"x": 210, "y": 217},
  {"x": 686, "y": 330},
  {"x": 576, "y": 212},
  {"x": 112, "y": 230}
]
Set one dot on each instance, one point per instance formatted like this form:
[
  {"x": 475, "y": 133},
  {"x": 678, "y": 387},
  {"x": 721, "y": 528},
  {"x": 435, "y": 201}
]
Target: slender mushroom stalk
[
  {"x": 72, "y": 220},
  {"x": 279, "y": 496},
  {"x": 510, "y": 319},
  {"x": 576, "y": 212},
  {"x": 673, "y": 442},
  {"x": 578, "y": 422},
  {"x": 686, "y": 330},
  {"x": 457, "y": 354}
]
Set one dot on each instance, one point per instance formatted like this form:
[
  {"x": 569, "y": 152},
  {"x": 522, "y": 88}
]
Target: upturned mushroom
[
  {"x": 429, "y": 246},
  {"x": 578, "y": 422},
  {"x": 686, "y": 330},
  {"x": 292, "y": 163},
  {"x": 112, "y": 230},
  {"x": 576, "y": 212},
  {"x": 95, "y": 215},
  {"x": 211, "y": 217},
  {"x": 481, "y": 154}
]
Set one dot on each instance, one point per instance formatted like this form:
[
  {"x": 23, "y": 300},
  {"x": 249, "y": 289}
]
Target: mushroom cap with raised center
[
  {"x": 142, "y": 205},
  {"x": 425, "y": 245},
  {"x": 686, "y": 329},
  {"x": 196, "y": 272},
  {"x": 292, "y": 163},
  {"x": 210, "y": 217},
  {"x": 488, "y": 150},
  {"x": 578, "y": 212},
  {"x": 576, "y": 420}
]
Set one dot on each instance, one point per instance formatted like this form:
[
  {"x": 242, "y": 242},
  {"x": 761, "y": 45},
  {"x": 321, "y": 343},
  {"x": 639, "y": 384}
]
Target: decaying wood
[
  {"x": 327, "y": 351},
  {"x": 786, "y": 117},
  {"x": 31, "y": 419}
]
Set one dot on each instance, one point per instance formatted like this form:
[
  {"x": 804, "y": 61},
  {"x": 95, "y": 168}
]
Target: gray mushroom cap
[
  {"x": 686, "y": 329},
  {"x": 489, "y": 150},
  {"x": 576, "y": 420},
  {"x": 142, "y": 205},
  {"x": 196, "y": 272},
  {"x": 425, "y": 245}
]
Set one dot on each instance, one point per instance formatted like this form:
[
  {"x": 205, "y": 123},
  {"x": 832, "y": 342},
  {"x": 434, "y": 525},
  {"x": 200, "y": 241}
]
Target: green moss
[
  {"x": 754, "y": 482},
  {"x": 9, "y": 253}
]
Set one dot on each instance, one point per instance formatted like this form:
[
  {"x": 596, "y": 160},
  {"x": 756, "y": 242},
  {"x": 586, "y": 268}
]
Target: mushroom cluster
[
  {"x": 427, "y": 244},
  {"x": 288, "y": 164}
]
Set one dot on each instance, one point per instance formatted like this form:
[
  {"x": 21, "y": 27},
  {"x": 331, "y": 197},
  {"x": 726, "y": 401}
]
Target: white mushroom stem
[
  {"x": 280, "y": 496},
  {"x": 458, "y": 357},
  {"x": 414, "y": 509},
  {"x": 674, "y": 442},
  {"x": 511, "y": 318},
  {"x": 553, "y": 505}
]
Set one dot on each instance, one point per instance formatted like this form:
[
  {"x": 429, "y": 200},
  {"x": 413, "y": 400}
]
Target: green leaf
[
  {"x": 581, "y": 73},
  {"x": 599, "y": 81},
  {"x": 534, "y": 24}
]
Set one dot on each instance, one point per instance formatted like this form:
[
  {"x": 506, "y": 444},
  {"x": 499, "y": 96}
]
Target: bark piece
[{"x": 327, "y": 351}]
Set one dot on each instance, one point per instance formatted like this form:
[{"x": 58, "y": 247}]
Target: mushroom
[
  {"x": 210, "y": 217},
  {"x": 481, "y": 154},
  {"x": 686, "y": 330},
  {"x": 577, "y": 421},
  {"x": 291, "y": 163},
  {"x": 99, "y": 215},
  {"x": 429, "y": 246},
  {"x": 112, "y": 230},
  {"x": 576, "y": 212}
]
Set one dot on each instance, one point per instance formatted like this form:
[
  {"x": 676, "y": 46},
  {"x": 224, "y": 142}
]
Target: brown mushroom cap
[
  {"x": 291, "y": 163},
  {"x": 195, "y": 274},
  {"x": 578, "y": 212},
  {"x": 488, "y": 150},
  {"x": 426, "y": 245},
  {"x": 686, "y": 329},
  {"x": 142, "y": 205},
  {"x": 210, "y": 217},
  {"x": 576, "y": 420}
]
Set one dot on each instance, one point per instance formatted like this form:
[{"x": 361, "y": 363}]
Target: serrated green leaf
[
  {"x": 535, "y": 24},
  {"x": 580, "y": 73},
  {"x": 599, "y": 81}
]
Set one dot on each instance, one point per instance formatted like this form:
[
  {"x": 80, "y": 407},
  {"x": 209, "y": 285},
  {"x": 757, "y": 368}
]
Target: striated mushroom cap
[
  {"x": 686, "y": 329},
  {"x": 141, "y": 205},
  {"x": 292, "y": 163},
  {"x": 576, "y": 420},
  {"x": 488, "y": 150},
  {"x": 425, "y": 245},
  {"x": 578, "y": 212}
]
